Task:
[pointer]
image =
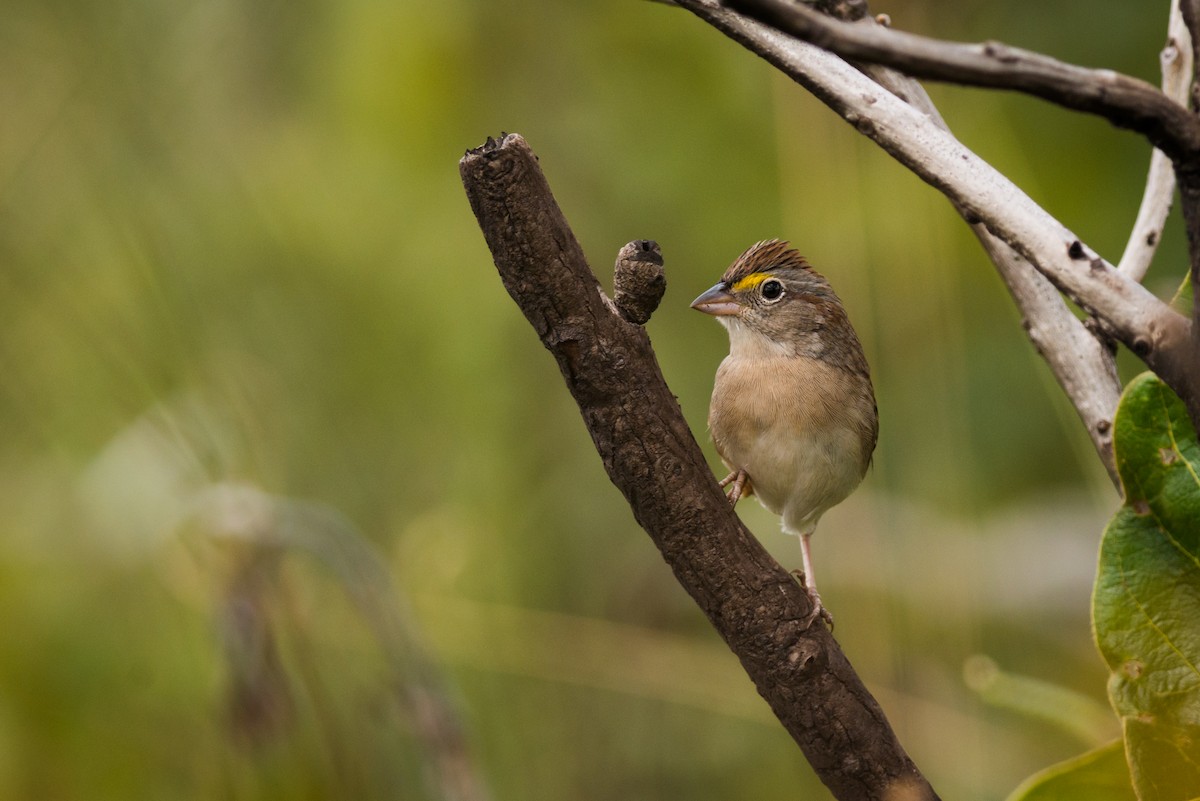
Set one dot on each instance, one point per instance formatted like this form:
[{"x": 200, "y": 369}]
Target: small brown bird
[{"x": 793, "y": 412}]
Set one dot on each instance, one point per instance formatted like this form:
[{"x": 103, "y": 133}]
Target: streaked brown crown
[{"x": 762, "y": 256}]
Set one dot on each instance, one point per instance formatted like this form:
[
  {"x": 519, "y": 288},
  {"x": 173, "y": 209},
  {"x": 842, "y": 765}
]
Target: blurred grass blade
[
  {"x": 273, "y": 527},
  {"x": 1073, "y": 712},
  {"x": 1182, "y": 299}
]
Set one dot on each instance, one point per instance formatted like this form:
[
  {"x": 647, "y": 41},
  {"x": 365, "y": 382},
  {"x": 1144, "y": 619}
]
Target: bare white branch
[
  {"x": 1081, "y": 361},
  {"x": 1176, "y": 60},
  {"x": 978, "y": 188},
  {"x": 1124, "y": 101},
  {"x": 1168, "y": 342},
  {"x": 983, "y": 195}
]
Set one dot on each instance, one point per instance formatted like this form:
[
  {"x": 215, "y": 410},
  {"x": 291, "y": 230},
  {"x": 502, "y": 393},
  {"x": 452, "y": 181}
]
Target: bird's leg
[
  {"x": 810, "y": 586},
  {"x": 739, "y": 480}
]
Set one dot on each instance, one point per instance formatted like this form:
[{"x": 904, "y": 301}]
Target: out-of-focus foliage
[
  {"x": 1144, "y": 612},
  {"x": 1147, "y": 600},
  {"x": 1099, "y": 775},
  {"x": 234, "y": 253}
]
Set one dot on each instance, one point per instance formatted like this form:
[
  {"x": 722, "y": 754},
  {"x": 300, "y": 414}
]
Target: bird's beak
[{"x": 717, "y": 302}]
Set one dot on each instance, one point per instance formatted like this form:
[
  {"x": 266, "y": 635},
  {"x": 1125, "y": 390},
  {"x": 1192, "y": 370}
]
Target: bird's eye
[{"x": 772, "y": 290}]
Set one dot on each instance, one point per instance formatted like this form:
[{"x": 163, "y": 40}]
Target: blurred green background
[{"x": 294, "y": 505}]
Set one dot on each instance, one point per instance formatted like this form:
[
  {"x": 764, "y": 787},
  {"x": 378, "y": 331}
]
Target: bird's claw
[
  {"x": 740, "y": 481},
  {"x": 818, "y": 608}
]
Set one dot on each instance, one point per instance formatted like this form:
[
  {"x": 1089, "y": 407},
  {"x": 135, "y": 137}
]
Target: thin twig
[
  {"x": 1176, "y": 59},
  {"x": 1152, "y": 216}
]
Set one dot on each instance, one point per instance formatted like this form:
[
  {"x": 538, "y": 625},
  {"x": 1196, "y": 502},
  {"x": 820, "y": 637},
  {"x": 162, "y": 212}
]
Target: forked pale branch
[
  {"x": 1081, "y": 359},
  {"x": 1158, "y": 335}
]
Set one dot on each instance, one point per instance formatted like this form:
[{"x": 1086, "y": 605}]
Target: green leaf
[
  {"x": 1099, "y": 775},
  {"x": 1146, "y": 605}
]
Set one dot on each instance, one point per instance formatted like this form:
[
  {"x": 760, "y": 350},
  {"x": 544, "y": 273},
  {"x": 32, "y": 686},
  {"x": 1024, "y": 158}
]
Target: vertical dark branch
[
  {"x": 1187, "y": 175},
  {"x": 651, "y": 456},
  {"x": 1190, "y": 9}
]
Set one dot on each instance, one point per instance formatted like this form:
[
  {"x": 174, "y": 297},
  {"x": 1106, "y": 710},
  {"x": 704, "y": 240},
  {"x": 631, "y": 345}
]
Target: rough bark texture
[{"x": 650, "y": 455}]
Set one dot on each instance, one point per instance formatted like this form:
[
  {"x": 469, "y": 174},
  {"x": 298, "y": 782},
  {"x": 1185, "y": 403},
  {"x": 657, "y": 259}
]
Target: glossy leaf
[{"x": 1147, "y": 597}]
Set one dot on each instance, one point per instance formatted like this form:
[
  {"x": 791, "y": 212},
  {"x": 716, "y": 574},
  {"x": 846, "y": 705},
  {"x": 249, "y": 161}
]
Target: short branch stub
[{"x": 638, "y": 280}]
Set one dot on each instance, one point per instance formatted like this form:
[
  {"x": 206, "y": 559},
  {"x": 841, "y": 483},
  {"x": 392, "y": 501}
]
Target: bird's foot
[
  {"x": 818, "y": 608},
  {"x": 739, "y": 483}
]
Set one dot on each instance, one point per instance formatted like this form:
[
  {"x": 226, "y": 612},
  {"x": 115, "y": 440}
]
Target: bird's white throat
[{"x": 747, "y": 343}]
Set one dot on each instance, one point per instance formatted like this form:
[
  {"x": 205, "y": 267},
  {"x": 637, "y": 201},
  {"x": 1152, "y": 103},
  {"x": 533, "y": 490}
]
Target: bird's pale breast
[{"x": 803, "y": 431}]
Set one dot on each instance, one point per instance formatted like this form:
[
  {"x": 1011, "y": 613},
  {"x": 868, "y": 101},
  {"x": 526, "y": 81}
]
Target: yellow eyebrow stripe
[{"x": 750, "y": 281}]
